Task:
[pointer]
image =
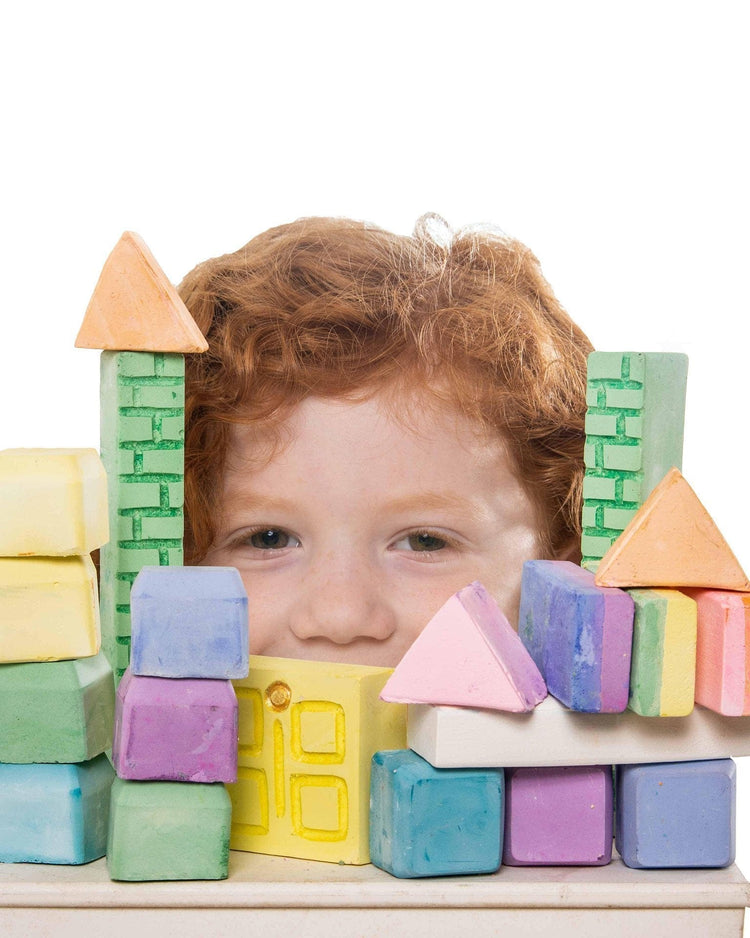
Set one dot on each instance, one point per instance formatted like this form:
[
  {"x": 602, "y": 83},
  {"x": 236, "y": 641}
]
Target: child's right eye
[{"x": 270, "y": 539}]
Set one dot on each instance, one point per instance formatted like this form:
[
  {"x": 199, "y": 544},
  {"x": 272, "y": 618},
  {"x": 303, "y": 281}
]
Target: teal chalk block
[
  {"x": 434, "y": 822},
  {"x": 56, "y": 711},
  {"x": 168, "y": 831},
  {"x": 189, "y": 622},
  {"x": 54, "y": 813}
]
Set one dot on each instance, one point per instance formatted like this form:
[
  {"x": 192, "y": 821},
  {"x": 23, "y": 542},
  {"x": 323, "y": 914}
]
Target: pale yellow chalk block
[
  {"x": 53, "y": 502},
  {"x": 680, "y": 634},
  {"x": 49, "y": 609},
  {"x": 307, "y": 733}
]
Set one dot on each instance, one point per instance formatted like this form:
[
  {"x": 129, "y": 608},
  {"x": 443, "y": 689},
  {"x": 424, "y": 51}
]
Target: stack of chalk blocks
[
  {"x": 56, "y": 687},
  {"x": 654, "y": 621},
  {"x": 176, "y": 716}
]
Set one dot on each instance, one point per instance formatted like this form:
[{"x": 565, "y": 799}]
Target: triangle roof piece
[
  {"x": 468, "y": 655},
  {"x": 134, "y": 307},
  {"x": 671, "y": 541}
]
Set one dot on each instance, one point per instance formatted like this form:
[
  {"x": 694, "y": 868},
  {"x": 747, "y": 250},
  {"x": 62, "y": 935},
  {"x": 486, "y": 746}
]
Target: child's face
[{"x": 355, "y": 532}]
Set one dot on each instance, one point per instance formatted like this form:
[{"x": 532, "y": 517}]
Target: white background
[{"x": 611, "y": 138}]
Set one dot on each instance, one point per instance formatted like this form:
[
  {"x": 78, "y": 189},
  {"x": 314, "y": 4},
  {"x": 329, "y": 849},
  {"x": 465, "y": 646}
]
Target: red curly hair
[{"x": 338, "y": 308}]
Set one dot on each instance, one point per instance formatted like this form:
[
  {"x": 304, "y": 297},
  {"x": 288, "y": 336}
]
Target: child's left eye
[{"x": 421, "y": 541}]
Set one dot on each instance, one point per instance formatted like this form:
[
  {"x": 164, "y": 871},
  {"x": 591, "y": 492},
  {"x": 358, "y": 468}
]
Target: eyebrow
[{"x": 418, "y": 502}]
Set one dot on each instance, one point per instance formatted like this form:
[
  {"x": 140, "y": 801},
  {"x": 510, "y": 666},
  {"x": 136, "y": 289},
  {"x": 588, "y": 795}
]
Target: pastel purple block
[
  {"x": 175, "y": 729},
  {"x": 580, "y": 635},
  {"x": 558, "y": 816},
  {"x": 189, "y": 622}
]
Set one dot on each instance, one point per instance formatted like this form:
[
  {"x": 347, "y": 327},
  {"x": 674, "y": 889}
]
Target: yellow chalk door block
[
  {"x": 135, "y": 308},
  {"x": 672, "y": 541},
  {"x": 53, "y": 502},
  {"x": 49, "y": 610},
  {"x": 307, "y": 733}
]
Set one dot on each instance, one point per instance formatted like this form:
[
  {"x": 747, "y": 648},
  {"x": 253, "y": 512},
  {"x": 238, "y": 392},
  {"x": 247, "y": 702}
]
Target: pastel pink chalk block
[
  {"x": 722, "y": 675},
  {"x": 468, "y": 656},
  {"x": 175, "y": 729}
]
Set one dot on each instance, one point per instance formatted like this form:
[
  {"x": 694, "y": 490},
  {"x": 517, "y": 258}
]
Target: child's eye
[
  {"x": 270, "y": 539},
  {"x": 421, "y": 541}
]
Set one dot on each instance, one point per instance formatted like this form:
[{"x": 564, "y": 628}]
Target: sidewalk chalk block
[
  {"x": 434, "y": 822},
  {"x": 676, "y": 814},
  {"x": 53, "y": 502},
  {"x": 189, "y": 622},
  {"x": 468, "y": 655},
  {"x": 722, "y": 680},
  {"x": 168, "y": 831},
  {"x": 578, "y": 634},
  {"x": 56, "y": 711},
  {"x": 662, "y": 670},
  {"x": 177, "y": 729},
  {"x": 49, "y": 608},
  {"x": 558, "y": 816},
  {"x": 672, "y": 541},
  {"x": 54, "y": 813}
]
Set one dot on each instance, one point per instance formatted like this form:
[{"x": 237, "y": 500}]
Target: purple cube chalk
[
  {"x": 580, "y": 635},
  {"x": 189, "y": 622},
  {"x": 676, "y": 814},
  {"x": 558, "y": 816},
  {"x": 175, "y": 729}
]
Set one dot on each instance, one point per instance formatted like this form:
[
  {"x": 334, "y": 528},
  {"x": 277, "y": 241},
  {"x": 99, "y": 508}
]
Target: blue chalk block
[
  {"x": 55, "y": 813},
  {"x": 434, "y": 822},
  {"x": 579, "y": 635},
  {"x": 676, "y": 814},
  {"x": 189, "y": 622}
]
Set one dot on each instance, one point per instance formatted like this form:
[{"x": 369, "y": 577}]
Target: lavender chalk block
[
  {"x": 170, "y": 729},
  {"x": 189, "y": 622}
]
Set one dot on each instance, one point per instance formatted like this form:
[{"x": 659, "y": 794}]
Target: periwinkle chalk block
[
  {"x": 434, "y": 822},
  {"x": 55, "y": 813},
  {"x": 178, "y": 729},
  {"x": 56, "y": 711},
  {"x": 579, "y": 635},
  {"x": 559, "y": 816},
  {"x": 189, "y": 622},
  {"x": 676, "y": 814},
  {"x": 168, "y": 831}
]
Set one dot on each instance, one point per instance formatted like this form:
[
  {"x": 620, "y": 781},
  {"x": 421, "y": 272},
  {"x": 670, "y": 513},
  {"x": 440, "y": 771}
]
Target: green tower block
[
  {"x": 634, "y": 432},
  {"x": 142, "y": 448}
]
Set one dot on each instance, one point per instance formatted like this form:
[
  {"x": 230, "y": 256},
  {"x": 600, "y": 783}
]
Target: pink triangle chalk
[{"x": 468, "y": 655}]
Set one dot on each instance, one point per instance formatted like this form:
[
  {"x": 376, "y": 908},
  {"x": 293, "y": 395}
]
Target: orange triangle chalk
[
  {"x": 135, "y": 308},
  {"x": 671, "y": 541}
]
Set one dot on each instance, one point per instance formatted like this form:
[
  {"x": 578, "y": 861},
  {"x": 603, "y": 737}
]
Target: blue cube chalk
[
  {"x": 189, "y": 622},
  {"x": 434, "y": 822},
  {"x": 55, "y": 813},
  {"x": 676, "y": 814},
  {"x": 580, "y": 635}
]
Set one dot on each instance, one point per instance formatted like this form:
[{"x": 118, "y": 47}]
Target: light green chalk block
[
  {"x": 56, "y": 711},
  {"x": 168, "y": 831},
  {"x": 662, "y": 668}
]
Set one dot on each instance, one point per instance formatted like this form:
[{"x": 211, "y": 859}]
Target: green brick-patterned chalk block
[
  {"x": 634, "y": 431},
  {"x": 168, "y": 831},
  {"x": 142, "y": 448}
]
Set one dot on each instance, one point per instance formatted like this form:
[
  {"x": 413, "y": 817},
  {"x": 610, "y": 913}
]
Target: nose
[{"x": 343, "y": 601}]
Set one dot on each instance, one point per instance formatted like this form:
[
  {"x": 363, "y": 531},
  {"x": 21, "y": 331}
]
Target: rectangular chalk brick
[
  {"x": 54, "y": 813},
  {"x": 662, "y": 670},
  {"x": 56, "y": 711},
  {"x": 676, "y": 814},
  {"x": 53, "y": 502},
  {"x": 634, "y": 434},
  {"x": 49, "y": 608},
  {"x": 722, "y": 679},
  {"x": 579, "y": 635},
  {"x": 558, "y": 816},
  {"x": 175, "y": 729},
  {"x": 434, "y": 822},
  {"x": 308, "y": 730},
  {"x": 168, "y": 831},
  {"x": 189, "y": 622}
]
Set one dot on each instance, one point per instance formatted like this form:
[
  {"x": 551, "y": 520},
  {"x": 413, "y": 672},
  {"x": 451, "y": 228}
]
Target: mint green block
[
  {"x": 132, "y": 364},
  {"x": 589, "y": 516},
  {"x": 601, "y": 424},
  {"x": 56, "y": 711},
  {"x": 163, "y": 528},
  {"x": 618, "y": 518},
  {"x": 603, "y": 365},
  {"x": 175, "y": 495},
  {"x": 168, "y": 831},
  {"x": 173, "y": 428},
  {"x": 624, "y": 458},
  {"x": 625, "y": 398},
  {"x": 136, "y": 428},
  {"x": 166, "y": 461},
  {"x": 173, "y": 365},
  {"x": 599, "y": 487},
  {"x": 167, "y": 396}
]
